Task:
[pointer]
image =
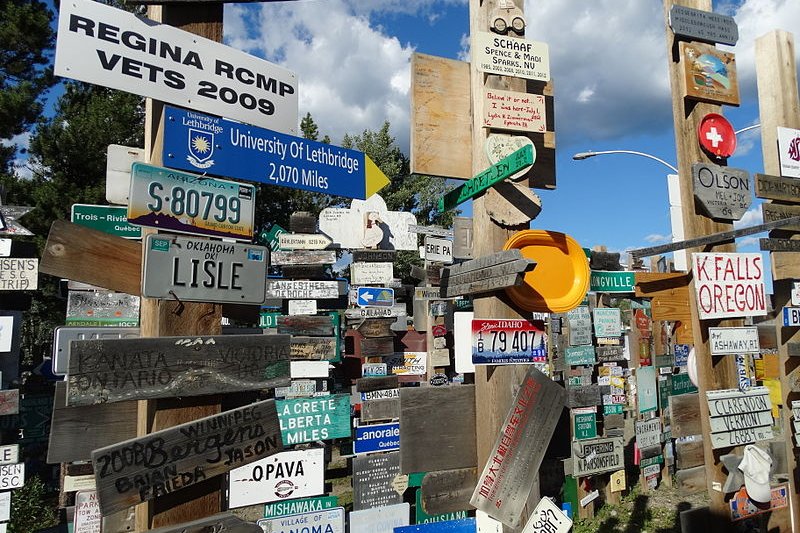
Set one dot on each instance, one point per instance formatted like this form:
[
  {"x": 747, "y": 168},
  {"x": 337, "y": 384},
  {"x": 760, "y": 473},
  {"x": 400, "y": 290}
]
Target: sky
[{"x": 608, "y": 66}]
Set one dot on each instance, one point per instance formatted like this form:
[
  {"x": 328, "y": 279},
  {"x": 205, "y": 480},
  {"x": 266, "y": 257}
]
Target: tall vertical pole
[
  {"x": 495, "y": 385},
  {"x": 719, "y": 374},
  {"x": 779, "y": 105},
  {"x": 161, "y": 318}
]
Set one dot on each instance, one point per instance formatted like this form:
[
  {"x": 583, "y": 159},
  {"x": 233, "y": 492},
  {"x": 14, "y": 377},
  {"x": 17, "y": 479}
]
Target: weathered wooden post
[{"x": 779, "y": 106}]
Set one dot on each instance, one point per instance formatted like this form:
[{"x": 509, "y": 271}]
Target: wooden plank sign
[
  {"x": 371, "y": 273},
  {"x": 303, "y": 257},
  {"x": 779, "y": 245},
  {"x": 739, "y": 419},
  {"x": 505, "y": 483},
  {"x": 108, "y": 370},
  {"x": 314, "y": 348},
  {"x": 312, "y": 419},
  {"x": 376, "y": 327},
  {"x": 302, "y": 290},
  {"x": 709, "y": 75},
  {"x": 597, "y": 456},
  {"x": 772, "y": 212},
  {"x": 729, "y": 284},
  {"x": 685, "y": 415},
  {"x": 485, "y": 274},
  {"x": 372, "y": 480},
  {"x": 700, "y": 25},
  {"x": 777, "y": 188},
  {"x": 724, "y": 192},
  {"x": 218, "y": 522},
  {"x": 429, "y": 445},
  {"x": 19, "y": 274},
  {"x": 325, "y": 325},
  {"x": 165, "y": 461}
]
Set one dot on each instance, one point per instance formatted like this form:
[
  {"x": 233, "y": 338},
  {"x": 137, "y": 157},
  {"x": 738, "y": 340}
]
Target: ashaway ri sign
[
  {"x": 114, "y": 48},
  {"x": 729, "y": 285}
]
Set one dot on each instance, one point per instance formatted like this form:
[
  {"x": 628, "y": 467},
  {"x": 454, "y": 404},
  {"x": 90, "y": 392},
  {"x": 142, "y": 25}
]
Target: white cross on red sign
[{"x": 716, "y": 136}]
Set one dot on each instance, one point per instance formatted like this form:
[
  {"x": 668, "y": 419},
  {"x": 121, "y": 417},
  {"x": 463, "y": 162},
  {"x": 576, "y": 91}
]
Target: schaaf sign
[
  {"x": 114, "y": 48},
  {"x": 200, "y": 270},
  {"x": 508, "y": 342},
  {"x": 218, "y": 146},
  {"x": 136, "y": 369},
  {"x": 187, "y": 203},
  {"x": 140, "y": 469}
]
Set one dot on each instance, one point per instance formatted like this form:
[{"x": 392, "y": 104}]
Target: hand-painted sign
[
  {"x": 369, "y": 224},
  {"x": 313, "y": 419},
  {"x": 506, "y": 481},
  {"x": 226, "y": 148},
  {"x": 377, "y": 438},
  {"x": 108, "y": 218},
  {"x": 306, "y": 290},
  {"x": 738, "y": 340},
  {"x": 187, "y": 203},
  {"x": 374, "y": 297},
  {"x": 326, "y": 521},
  {"x": 580, "y": 326},
  {"x": 547, "y": 517},
  {"x": 709, "y": 74},
  {"x": 739, "y": 416},
  {"x": 371, "y": 273},
  {"x": 700, "y": 25},
  {"x": 507, "y": 56},
  {"x": 115, "y": 48},
  {"x": 724, "y": 192},
  {"x": 789, "y": 151},
  {"x": 507, "y": 110},
  {"x": 127, "y": 476},
  {"x": 602, "y": 281},
  {"x": 380, "y": 519},
  {"x": 597, "y": 456},
  {"x": 607, "y": 322},
  {"x": 8, "y": 220},
  {"x": 580, "y": 355},
  {"x": 284, "y": 475},
  {"x": 19, "y": 274},
  {"x": 372, "y": 480},
  {"x": 491, "y": 176},
  {"x": 729, "y": 284},
  {"x": 648, "y": 433},
  {"x": 12, "y": 476},
  {"x": 437, "y": 249},
  {"x": 303, "y": 505},
  {"x": 200, "y": 270},
  {"x": 507, "y": 342}
]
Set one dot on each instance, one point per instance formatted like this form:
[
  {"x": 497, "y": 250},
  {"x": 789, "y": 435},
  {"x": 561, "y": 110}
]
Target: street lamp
[{"x": 586, "y": 155}]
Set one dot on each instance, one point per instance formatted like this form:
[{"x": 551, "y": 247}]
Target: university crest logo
[{"x": 201, "y": 148}]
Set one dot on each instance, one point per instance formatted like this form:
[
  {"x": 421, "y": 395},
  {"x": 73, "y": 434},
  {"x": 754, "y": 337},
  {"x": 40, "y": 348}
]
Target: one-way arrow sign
[{"x": 194, "y": 141}]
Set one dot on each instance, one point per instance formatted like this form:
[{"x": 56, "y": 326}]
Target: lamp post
[{"x": 586, "y": 155}]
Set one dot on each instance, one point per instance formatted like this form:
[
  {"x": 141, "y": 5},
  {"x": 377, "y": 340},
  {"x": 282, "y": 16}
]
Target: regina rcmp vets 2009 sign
[{"x": 114, "y": 48}]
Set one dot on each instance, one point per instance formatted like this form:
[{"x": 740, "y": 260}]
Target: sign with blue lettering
[
  {"x": 377, "y": 438},
  {"x": 327, "y": 521},
  {"x": 222, "y": 147},
  {"x": 466, "y": 525},
  {"x": 682, "y": 354},
  {"x": 375, "y": 297}
]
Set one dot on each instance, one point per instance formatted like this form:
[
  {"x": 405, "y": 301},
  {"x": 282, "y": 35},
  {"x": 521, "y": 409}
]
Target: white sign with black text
[{"x": 285, "y": 475}]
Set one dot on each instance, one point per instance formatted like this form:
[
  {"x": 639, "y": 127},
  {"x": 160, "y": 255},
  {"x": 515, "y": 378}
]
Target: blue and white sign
[
  {"x": 194, "y": 141},
  {"x": 466, "y": 525},
  {"x": 380, "y": 519},
  {"x": 682, "y": 354},
  {"x": 375, "y": 297},
  {"x": 327, "y": 521},
  {"x": 377, "y": 438},
  {"x": 791, "y": 316}
]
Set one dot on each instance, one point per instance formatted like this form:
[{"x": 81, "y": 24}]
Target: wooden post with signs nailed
[
  {"x": 779, "y": 105},
  {"x": 721, "y": 374},
  {"x": 494, "y": 385},
  {"x": 166, "y": 318}
]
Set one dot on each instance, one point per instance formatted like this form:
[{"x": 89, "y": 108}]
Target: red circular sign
[{"x": 716, "y": 136}]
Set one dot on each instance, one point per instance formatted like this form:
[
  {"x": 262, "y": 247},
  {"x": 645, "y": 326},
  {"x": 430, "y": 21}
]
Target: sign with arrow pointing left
[
  {"x": 375, "y": 297},
  {"x": 194, "y": 141}
]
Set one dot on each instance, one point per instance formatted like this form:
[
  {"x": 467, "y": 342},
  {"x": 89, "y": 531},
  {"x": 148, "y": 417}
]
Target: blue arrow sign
[
  {"x": 197, "y": 142},
  {"x": 375, "y": 297}
]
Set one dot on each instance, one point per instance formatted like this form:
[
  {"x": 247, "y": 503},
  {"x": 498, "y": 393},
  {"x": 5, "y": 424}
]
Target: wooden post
[
  {"x": 721, "y": 373},
  {"x": 776, "y": 76},
  {"x": 495, "y": 385},
  {"x": 161, "y": 317}
]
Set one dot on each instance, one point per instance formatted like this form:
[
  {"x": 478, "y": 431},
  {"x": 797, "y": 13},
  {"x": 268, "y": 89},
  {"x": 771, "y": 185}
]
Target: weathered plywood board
[
  {"x": 772, "y": 212},
  {"x": 306, "y": 325},
  {"x": 685, "y": 415},
  {"x": 670, "y": 300},
  {"x": 303, "y": 257},
  {"x": 77, "y": 253},
  {"x": 109, "y": 370},
  {"x": 777, "y": 188},
  {"x": 76, "y": 431},
  {"x": 377, "y": 346},
  {"x": 691, "y": 480},
  {"x": 377, "y": 383},
  {"x": 437, "y": 428},
  {"x": 313, "y": 348},
  {"x": 689, "y": 454},
  {"x": 219, "y": 522},
  {"x": 372, "y": 480},
  {"x": 374, "y": 410},
  {"x": 144, "y": 468},
  {"x": 448, "y": 491}
]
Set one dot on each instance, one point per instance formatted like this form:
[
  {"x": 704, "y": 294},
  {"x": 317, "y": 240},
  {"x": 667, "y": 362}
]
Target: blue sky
[{"x": 608, "y": 64}]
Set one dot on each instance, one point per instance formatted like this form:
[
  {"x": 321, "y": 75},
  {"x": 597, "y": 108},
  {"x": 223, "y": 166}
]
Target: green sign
[
  {"x": 415, "y": 479},
  {"x": 585, "y": 425},
  {"x": 312, "y": 419},
  {"x": 425, "y": 518},
  {"x": 664, "y": 391},
  {"x": 305, "y": 505},
  {"x": 613, "y": 409},
  {"x": 270, "y": 238},
  {"x": 268, "y": 320},
  {"x": 664, "y": 361},
  {"x": 110, "y": 219},
  {"x": 491, "y": 176},
  {"x": 681, "y": 384},
  {"x": 657, "y": 460},
  {"x": 579, "y": 355},
  {"x": 601, "y": 281}
]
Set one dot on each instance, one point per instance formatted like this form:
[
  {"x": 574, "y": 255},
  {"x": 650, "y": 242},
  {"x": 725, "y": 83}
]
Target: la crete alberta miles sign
[{"x": 729, "y": 285}]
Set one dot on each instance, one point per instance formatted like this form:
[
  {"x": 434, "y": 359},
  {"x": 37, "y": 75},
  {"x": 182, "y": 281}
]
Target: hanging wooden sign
[
  {"x": 323, "y": 325},
  {"x": 739, "y": 413},
  {"x": 724, "y": 192},
  {"x": 303, "y": 290},
  {"x": 779, "y": 245},
  {"x": 303, "y": 257},
  {"x": 485, "y": 274},
  {"x": 111, "y": 370},
  {"x": 126, "y": 476},
  {"x": 597, "y": 456},
  {"x": 729, "y": 284},
  {"x": 376, "y": 327},
  {"x": 777, "y": 188},
  {"x": 709, "y": 74}
]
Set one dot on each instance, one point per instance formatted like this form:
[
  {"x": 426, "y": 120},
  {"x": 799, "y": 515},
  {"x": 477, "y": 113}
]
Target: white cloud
[
  {"x": 746, "y": 241},
  {"x": 655, "y": 238},
  {"x": 751, "y": 218}
]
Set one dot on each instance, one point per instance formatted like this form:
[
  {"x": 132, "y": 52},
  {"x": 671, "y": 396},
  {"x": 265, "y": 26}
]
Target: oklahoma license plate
[
  {"x": 200, "y": 270},
  {"x": 188, "y": 203},
  {"x": 508, "y": 341}
]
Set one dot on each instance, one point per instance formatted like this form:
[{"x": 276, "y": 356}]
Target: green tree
[{"x": 28, "y": 514}]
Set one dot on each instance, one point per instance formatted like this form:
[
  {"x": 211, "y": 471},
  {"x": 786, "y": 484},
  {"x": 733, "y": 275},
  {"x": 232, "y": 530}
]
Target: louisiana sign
[
  {"x": 114, "y": 48},
  {"x": 194, "y": 141}
]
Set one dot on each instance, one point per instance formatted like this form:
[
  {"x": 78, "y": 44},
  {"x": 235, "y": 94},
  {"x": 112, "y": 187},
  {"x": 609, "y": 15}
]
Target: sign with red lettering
[{"x": 729, "y": 285}]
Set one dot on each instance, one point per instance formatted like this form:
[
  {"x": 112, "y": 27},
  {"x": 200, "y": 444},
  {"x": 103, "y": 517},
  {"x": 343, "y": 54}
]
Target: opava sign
[
  {"x": 114, "y": 48},
  {"x": 729, "y": 285}
]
